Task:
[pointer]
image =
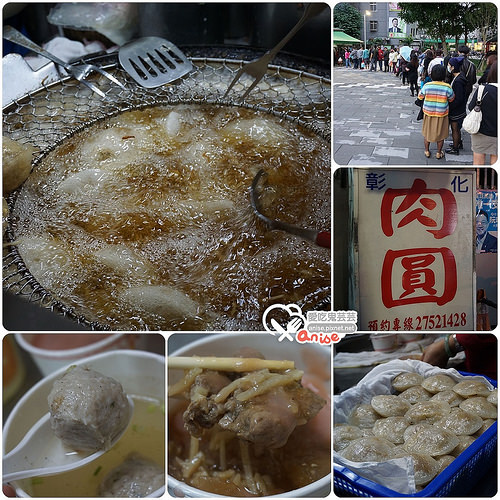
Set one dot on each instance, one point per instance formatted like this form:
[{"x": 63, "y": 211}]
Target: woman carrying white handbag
[{"x": 485, "y": 140}]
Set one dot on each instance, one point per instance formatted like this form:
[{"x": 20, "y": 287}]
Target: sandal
[
  {"x": 439, "y": 155},
  {"x": 427, "y": 154}
]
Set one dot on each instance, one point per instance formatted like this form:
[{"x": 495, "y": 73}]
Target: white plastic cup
[
  {"x": 384, "y": 342},
  {"x": 141, "y": 373},
  {"x": 66, "y": 349},
  {"x": 227, "y": 345}
]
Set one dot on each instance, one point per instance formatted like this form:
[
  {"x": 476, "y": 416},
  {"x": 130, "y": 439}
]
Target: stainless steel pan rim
[{"x": 309, "y": 107}]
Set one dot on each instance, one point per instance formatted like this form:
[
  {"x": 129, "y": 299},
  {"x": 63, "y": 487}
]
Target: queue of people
[
  {"x": 364, "y": 58},
  {"x": 446, "y": 87},
  {"x": 485, "y": 142},
  {"x": 374, "y": 58}
]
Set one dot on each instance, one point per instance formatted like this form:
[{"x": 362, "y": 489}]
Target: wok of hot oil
[{"x": 167, "y": 190}]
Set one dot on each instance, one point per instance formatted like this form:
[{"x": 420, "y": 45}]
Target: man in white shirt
[{"x": 437, "y": 60}]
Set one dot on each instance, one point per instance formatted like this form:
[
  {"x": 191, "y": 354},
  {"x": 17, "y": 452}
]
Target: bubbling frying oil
[{"x": 143, "y": 221}]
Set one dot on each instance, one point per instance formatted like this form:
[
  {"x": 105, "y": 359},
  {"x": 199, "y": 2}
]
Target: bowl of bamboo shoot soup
[{"x": 249, "y": 416}]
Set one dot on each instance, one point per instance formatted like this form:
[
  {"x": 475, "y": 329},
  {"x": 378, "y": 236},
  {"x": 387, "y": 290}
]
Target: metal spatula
[{"x": 153, "y": 61}]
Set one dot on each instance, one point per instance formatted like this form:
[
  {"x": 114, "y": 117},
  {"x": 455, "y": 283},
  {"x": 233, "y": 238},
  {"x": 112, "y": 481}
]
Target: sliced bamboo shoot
[{"x": 228, "y": 364}]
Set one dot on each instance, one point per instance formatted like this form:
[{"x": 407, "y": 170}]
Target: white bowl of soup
[
  {"x": 51, "y": 351},
  {"x": 142, "y": 375},
  {"x": 300, "y": 468}
]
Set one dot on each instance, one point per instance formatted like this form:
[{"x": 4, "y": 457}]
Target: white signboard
[{"x": 415, "y": 249}]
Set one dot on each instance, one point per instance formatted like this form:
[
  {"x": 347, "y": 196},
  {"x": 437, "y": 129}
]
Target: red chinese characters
[
  {"x": 424, "y": 274},
  {"x": 417, "y": 269},
  {"x": 418, "y": 205}
]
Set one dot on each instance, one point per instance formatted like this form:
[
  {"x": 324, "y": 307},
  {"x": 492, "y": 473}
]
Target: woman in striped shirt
[{"x": 436, "y": 96}]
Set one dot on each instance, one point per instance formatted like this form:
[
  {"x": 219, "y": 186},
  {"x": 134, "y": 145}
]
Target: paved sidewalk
[{"x": 375, "y": 123}]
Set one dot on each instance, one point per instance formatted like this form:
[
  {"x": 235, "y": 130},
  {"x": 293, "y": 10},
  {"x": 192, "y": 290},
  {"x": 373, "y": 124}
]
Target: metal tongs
[
  {"x": 258, "y": 68},
  {"x": 321, "y": 238},
  {"x": 78, "y": 71}
]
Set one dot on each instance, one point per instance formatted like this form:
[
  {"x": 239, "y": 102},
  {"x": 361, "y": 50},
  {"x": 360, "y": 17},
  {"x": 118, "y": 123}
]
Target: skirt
[
  {"x": 484, "y": 144},
  {"x": 435, "y": 128}
]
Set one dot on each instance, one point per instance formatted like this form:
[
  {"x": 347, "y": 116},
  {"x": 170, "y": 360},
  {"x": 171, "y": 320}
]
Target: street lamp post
[{"x": 367, "y": 13}]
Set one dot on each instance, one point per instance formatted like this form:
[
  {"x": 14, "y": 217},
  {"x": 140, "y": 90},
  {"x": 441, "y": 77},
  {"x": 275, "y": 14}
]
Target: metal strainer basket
[{"x": 51, "y": 114}]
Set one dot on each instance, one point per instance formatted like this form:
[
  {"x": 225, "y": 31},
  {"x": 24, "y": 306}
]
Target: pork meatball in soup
[{"x": 87, "y": 409}]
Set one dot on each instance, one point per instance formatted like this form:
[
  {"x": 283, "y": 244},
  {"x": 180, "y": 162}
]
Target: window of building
[
  {"x": 373, "y": 6},
  {"x": 373, "y": 25}
]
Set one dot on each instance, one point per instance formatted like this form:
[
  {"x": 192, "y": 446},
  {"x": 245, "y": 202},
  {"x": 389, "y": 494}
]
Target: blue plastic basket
[{"x": 455, "y": 481}]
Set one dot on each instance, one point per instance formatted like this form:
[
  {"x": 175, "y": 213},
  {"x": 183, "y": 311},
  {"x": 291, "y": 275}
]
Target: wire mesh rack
[{"x": 54, "y": 112}]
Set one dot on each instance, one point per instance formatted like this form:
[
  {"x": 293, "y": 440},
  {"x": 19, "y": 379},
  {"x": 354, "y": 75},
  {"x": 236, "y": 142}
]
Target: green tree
[
  {"x": 407, "y": 40},
  {"x": 375, "y": 41},
  {"x": 438, "y": 20},
  {"x": 348, "y": 19},
  {"x": 463, "y": 26},
  {"x": 483, "y": 16}
]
